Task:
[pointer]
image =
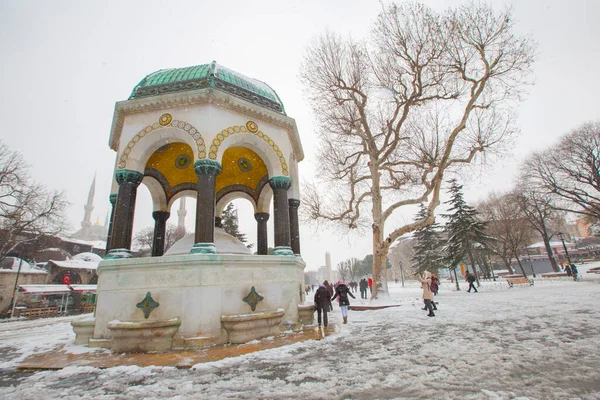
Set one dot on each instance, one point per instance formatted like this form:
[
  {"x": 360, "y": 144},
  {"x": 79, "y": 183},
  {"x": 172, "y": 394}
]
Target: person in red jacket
[{"x": 371, "y": 285}]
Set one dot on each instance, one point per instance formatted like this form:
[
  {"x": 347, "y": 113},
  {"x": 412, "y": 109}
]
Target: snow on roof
[
  {"x": 75, "y": 264},
  {"x": 88, "y": 257},
  {"x": 56, "y": 289},
  {"x": 11, "y": 264},
  {"x": 552, "y": 244},
  {"x": 83, "y": 288},
  {"x": 44, "y": 289}
]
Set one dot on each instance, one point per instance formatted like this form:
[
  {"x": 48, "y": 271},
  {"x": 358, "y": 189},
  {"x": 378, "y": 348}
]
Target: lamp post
[
  {"x": 562, "y": 239},
  {"x": 530, "y": 262}
]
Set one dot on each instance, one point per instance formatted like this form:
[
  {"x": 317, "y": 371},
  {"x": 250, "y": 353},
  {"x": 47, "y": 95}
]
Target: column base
[
  {"x": 283, "y": 251},
  {"x": 204, "y": 248},
  {"x": 118, "y": 253}
]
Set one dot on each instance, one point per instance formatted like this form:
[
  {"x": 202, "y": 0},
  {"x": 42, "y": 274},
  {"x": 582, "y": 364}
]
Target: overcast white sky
[{"x": 64, "y": 65}]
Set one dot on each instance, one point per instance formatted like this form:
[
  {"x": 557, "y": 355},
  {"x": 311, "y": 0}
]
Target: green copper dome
[{"x": 208, "y": 75}]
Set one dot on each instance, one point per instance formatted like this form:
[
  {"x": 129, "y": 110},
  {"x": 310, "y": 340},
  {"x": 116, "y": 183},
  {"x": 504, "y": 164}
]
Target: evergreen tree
[
  {"x": 427, "y": 246},
  {"x": 229, "y": 220},
  {"x": 464, "y": 230}
]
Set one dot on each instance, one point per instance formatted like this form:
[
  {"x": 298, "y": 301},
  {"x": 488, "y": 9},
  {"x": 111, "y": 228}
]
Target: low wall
[{"x": 198, "y": 289}]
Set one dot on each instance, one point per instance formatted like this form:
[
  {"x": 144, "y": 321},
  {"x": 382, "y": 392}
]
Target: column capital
[
  {"x": 261, "y": 217},
  {"x": 112, "y": 198},
  {"x": 129, "y": 176},
  {"x": 161, "y": 215},
  {"x": 280, "y": 182},
  {"x": 294, "y": 203},
  {"x": 207, "y": 167}
]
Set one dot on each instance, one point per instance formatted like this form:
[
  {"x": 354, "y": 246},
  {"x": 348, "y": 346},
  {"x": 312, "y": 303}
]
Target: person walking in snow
[
  {"x": 568, "y": 270},
  {"x": 435, "y": 284},
  {"x": 371, "y": 285},
  {"x": 342, "y": 292},
  {"x": 469, "y": 277},
  {"x": 363, "y": 288},
  {"x": 427, "y": 294},
  {"x": 574, "y": 271},
  {"x": 322, "y": 304},
  {"x": 329, "y": 288}
]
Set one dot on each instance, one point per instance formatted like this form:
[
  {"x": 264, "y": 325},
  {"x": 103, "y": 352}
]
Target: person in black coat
[
  {"x": 342, "y": 292},
  {"x": 322, "y": 304}
]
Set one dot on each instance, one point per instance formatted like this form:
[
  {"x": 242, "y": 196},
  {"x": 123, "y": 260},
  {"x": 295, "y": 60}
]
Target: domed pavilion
[{"x": 212, "y": 133}]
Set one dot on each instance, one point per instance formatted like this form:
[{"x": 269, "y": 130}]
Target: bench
[
  {"x": 519, "y": 281},
  {"x": 44, "y": 312},
  {"x": 594, "y": 270}
]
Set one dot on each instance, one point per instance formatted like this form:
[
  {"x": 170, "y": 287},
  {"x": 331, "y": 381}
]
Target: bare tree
[
  {"x": 426, "y": 95},
  {"x": 507, "y": 225},
  {"x": 542, "y": 214},
  {"x": 27, "y": 209},
  {"x": 145, "y": 237},
  {"x": 570, "y": 170},
  {"x": 401, "y": 257}
]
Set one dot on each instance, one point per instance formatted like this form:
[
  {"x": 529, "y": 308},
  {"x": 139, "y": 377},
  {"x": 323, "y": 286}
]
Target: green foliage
[
  {"x": 465, "y": 232},
  {"x": 428, "y": 255},
  {"x": 229, "y": 220},
  {"x": 365, "y": 266}
]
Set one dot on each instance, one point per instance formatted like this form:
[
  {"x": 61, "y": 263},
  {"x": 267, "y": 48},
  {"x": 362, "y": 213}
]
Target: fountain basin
[
  {"x": 196, "y": 288},
  {"x": 84, "y": 329},
  {"x": 143, "y": 336},
  {"x": 243, "y": 328},
  {"x": 306, "y": 314}
]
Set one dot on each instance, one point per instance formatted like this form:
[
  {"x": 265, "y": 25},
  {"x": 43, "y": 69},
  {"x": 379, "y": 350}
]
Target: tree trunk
[
  {"x": 521, "y": 266},
  {"x": 549, "y": 251},
  {"x": 456, "y": 280},
  {"x": 472, "y": 259},
  {"x": 507, "y": 265},
  {"x": 380, "y": 247}
]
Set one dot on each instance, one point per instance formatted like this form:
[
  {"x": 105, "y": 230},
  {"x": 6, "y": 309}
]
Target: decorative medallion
[
  {"x": 252, "y": 299},
  {"x": 244, "y": 164},
  {"x": 165, "y": 119},
  {"x": 252, "y": 126},
  {"x": 183, "y": 161},
  {"x": 147, "y": 305}
]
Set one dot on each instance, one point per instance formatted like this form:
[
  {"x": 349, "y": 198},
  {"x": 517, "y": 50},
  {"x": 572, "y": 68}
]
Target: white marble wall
[{"x": 196, "y": 288}]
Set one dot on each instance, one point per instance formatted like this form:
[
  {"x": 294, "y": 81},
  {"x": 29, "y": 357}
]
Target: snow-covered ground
[{"x": 540, "y": 342}]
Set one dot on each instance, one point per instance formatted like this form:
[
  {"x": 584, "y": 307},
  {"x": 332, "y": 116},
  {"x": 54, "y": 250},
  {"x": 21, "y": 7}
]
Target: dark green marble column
[
  {"x": 204, "y": 239},
  {"x": 294, "y": 226},
  {"x": 122, "y": 230},
  {"x": 280, "y": 186},
  {"x": 262, "y": 247},
  {"x": 113, "y": 199},
  {"x": 160, "y": 228}
]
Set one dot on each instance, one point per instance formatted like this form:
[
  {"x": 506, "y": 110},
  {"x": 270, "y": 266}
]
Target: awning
[
  {"x": 45, "y": 289},
  {"x": 83, "y": 288},
  {"x": 56, "y": 289}
]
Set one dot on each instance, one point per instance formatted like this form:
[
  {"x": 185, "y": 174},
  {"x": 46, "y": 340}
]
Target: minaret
[
  {"x": 89, "y": 207},
  {"x": 328, "y": 266},
  {"x": 181, "y": 213}
]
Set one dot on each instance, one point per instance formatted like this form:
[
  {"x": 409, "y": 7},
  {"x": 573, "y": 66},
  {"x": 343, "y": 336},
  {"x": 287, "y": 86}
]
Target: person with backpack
[
  {"x": 342, "y": 292},
  {"x": 469, "y": 277},
  {"x": 322, "y": 304}
]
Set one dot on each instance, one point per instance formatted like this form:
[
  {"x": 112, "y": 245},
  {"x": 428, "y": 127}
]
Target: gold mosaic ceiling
[{"x": 173, "y": 166}]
